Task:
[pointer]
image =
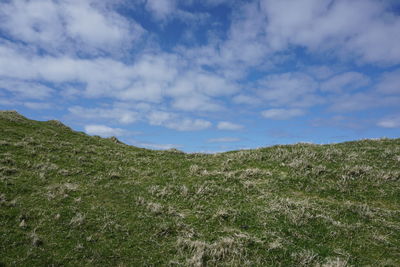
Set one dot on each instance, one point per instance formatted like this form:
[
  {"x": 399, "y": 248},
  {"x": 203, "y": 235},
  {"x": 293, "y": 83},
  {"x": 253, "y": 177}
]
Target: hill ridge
[{"x": 16, "y": 116}]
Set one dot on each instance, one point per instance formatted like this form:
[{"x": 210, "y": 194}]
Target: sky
[{"x": 205, "y": 75}]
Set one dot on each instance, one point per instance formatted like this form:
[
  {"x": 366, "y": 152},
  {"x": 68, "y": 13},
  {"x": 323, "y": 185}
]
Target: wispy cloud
[
  {"x": 345, "y": 82},
  {"x": 281, "y": 114},
  {"x": 161, "y": 8},
  {"x": 389, "y": 83},
  {"x": 121, "y": 115},
  {"x": 223, "y": 140},
  {"x": 230, "y": 126},
  {"x": 26, "y": 89},
  {"x": 390, "y": 122},
  {"x": 174, "y": 121},
  {"x": 103, "y": 130}
]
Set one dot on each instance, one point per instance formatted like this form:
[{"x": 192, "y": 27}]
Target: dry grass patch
[
  {"x": 160, "y": 192},
  {"x": 61, "y": 190},
  {"x": 8, "y": 170},
  {"x": 254, "y": 172},
  {"x": 305, "y": 258},
  {"x": 335, "y": 262},
  {"x": 297, "y": 212},
  {"x": 227, "y": 251},
  {"x": 225, "y": 214},
  {"x": 77, "y": 220},
  {"x": 36, "y": 241},
  {"x": 158, "y": 208}
]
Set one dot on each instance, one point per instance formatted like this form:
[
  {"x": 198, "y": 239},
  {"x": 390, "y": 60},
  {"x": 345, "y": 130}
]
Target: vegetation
[{"x": 71, "y": 199}]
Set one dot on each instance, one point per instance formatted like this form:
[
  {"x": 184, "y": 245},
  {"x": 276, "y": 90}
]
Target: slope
[{"x": 71, "y": 199}]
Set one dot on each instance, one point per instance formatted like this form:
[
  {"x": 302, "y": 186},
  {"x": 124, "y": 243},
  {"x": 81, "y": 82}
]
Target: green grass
[{"x": 71, "y": 199}]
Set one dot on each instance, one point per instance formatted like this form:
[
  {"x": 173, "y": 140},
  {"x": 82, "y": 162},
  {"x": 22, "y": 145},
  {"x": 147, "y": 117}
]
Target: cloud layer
[{"x": 204, "y": 66}]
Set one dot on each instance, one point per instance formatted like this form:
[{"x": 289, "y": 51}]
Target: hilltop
[{"x": 67, "y": 198}]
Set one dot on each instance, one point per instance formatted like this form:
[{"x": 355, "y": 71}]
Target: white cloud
[
  {"x": 160, "y": 117},
  {"x": 289, "y": 89},
  {"x": 103, "y": 131},
  {"x": 358, "y": 27},
  {"x": 342, "y": 121},
  {"x": 189, "y": 125},
  {"x": 98, "y": 74},
  {"x": 23, "y": 89},
  {"x": 38, "y": 105},
  {"x": 223, "y": 140},
  {"x": 174, "y": 121},
  {"x": 195, "y": 102},
  {"x": 246, "y": 99},
  {"x": 125, "y": 115},
  {"x": 390, "y": 122},
  {"x": 226, "y": 125},
  {"x": 320, "y": 72},
  {"x": 282, "y": 114},
  {"x": 243, "y": 47},
  {"x": 245, "y": 44},
  {"x": 210, "y": 84},
  {"x": 8, "y": 102},
  {"x": 34, "y": 22},
  {"x": 160, "y": 9},
  {"x": 152, "y": 78},
  {"x": 389, "y": 83},
  {"x": 384, "y": 93},
  {"x": 103, "y": 30},
  {"x": 121, "y": 115},
  {"x": 166, "y": 10},
  {"x": 218, "y": 2},
  {"x": 345, "y": 82},
  {"x": 194, "y": 90},
  {"x": 15, "y": 63},
  {"x": 68, "y": 26},
  {"x": 361, "y": 101}
]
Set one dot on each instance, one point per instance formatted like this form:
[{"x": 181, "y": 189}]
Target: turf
[{"x": 69, "y": 199}]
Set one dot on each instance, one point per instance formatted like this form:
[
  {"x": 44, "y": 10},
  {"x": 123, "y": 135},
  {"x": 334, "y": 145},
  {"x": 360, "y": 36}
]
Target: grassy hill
[{"x": 71, "y": 199}]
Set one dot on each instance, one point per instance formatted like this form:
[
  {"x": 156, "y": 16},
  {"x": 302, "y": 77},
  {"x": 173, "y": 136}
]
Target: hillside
[{"x": 67, "y": 198}]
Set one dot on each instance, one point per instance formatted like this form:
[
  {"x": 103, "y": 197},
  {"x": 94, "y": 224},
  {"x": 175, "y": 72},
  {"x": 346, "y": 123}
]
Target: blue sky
[{"x": 205, "y": 76}]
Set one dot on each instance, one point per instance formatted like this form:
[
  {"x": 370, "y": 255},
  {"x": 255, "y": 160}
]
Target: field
[{"x": 70, "y": 199}]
